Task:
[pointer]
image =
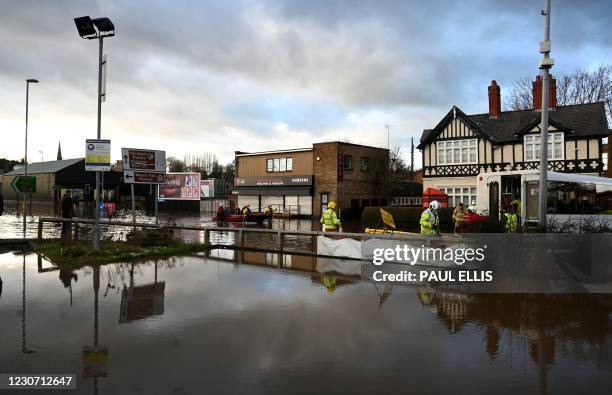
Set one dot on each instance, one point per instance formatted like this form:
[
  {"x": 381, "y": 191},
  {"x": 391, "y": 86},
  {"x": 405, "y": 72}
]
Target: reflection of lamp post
[
  {"x": 25, "y": 157},
  {"x": 42, "y": 169},
  {"x": 96, "y": 28}
]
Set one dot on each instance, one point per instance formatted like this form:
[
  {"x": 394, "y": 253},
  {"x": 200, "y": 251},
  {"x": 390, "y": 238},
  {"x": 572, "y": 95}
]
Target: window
[
  {"x": 555, "y": 146},
  {"x": 456, "y": 195},
  {"x": 279, "y": 164},
  {"x": 457, "y": 152},
  {"x": 348, "y": 162},
  {"x": 365, "y": 164}
]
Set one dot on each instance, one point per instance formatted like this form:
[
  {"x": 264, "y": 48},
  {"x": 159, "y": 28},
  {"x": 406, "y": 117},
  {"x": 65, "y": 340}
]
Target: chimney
[
  {"x": 537, "y": 93},
  {"x": 494, "y": 100}
]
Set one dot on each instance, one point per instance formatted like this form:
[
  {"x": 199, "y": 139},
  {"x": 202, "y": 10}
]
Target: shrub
[{"x": 151, "y": 237}]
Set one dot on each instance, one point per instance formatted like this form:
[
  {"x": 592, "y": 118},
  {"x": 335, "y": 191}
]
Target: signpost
[
  {"x": 24, "y": 184},
  {"x": 97, "y": 155},
  {"x": 143, "y": 177},
  {"x": 143, "y": 166},
  {"x": 141, "y": 159}
]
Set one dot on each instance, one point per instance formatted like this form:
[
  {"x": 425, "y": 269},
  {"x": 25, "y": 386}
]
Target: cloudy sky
[{"x": 220, "y": 76}]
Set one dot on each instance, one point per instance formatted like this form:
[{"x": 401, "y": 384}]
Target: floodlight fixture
[
  {"x": 32, "y": 81},
  {"x": 94, "y": 28}
]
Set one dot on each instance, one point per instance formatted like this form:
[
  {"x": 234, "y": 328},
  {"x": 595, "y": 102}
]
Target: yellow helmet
[{"x": 332, "y": 205}]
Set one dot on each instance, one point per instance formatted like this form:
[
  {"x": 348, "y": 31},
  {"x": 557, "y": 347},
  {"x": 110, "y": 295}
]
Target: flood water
[{"x": 236, "y": 323}]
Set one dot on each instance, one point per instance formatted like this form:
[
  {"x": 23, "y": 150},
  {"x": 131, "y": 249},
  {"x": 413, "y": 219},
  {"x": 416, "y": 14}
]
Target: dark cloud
[{"x": 193, "y": 69}]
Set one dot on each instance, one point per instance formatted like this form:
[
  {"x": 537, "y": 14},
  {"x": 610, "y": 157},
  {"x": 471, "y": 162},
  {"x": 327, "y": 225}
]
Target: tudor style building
[{"x": 462, "y": 146}]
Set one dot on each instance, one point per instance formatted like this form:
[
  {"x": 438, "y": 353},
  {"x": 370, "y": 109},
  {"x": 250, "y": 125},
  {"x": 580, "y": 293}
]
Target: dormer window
[
  {"x": 555, "y": 147},
  {"x": 457, "y": 152}
]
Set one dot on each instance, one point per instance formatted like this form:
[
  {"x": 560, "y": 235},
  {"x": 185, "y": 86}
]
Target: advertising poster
[
  {"x": 181, "y": 186},
  {"x": 207, "y": 189}
]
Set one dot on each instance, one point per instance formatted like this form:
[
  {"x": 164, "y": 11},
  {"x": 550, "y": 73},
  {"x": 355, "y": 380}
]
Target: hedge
[{"x": 407, "y": 218}]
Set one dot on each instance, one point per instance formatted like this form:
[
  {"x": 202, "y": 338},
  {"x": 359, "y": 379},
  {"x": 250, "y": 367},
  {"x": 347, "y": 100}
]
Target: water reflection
[{"x": 264, "y": 323}]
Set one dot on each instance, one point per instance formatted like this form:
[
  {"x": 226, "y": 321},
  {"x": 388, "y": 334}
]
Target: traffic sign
[
  {"x": 143, "y": 159},
  {"x": 97, "y": 155},
  {"x": 24, "y": 184},
  {"x": 143, "y": 177}
]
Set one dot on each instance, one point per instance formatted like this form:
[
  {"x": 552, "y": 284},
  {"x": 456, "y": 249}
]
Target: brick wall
[{"x": 355, "y": 183}]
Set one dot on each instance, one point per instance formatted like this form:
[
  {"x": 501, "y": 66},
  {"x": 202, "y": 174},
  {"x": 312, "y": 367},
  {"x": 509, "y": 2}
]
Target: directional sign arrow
[{"x": 24, "y": 184}]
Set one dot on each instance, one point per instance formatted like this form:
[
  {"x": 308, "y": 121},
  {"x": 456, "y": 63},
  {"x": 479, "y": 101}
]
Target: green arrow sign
[{"x": 24, "y": 184}]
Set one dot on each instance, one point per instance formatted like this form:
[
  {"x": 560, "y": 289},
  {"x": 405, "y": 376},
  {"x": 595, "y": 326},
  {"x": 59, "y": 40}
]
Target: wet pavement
[{"x": 195, "y": 325}]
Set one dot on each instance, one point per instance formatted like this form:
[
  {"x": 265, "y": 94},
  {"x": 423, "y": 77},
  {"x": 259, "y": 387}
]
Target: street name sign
[
  {"x": 143, "y": 177},
  {"x": 24, "y": 184},
  {"x": 97, "y": 155},
  {"x": 143, "y": 159}
]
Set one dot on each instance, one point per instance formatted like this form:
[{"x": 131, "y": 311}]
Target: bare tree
[{"x": 580, "y": 87}]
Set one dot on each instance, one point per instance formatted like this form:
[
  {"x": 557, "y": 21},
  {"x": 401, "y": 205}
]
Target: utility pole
[
  {"x": 545, "y": 64},
  {"x": 388, "y": 135},
  {"x": 25, "y": 155},
  {"x": 411, "y": 158}
]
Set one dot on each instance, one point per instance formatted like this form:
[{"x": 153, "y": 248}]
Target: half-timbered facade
[{"x": 462, "y": 146}]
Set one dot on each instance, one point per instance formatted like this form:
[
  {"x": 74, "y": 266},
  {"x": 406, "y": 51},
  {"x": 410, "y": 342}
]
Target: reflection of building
[
  {"x": 143, "y": 301},
  {"x": 303, "y": 181},
  {"x": 462, "y": 146}
]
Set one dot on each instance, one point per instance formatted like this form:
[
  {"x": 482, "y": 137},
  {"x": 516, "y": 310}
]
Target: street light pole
[
  {"x": 96, "y": 235},
  {"x": 42, "y": 169},
  {"x": 91, "y": 29},
  {"x": 25, "y": 156},
  {"x": 545, "y": 64}
]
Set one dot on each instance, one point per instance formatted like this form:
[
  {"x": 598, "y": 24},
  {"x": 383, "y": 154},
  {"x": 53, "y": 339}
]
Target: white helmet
[
  {"x": 472, "y": 208},
  {"x": 434, "y": 205}
]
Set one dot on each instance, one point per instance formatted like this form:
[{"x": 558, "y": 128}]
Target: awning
[{"x": 274, "y": 191}]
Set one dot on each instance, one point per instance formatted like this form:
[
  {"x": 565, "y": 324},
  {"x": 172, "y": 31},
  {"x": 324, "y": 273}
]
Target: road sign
[
  {"x": 143, "y": 177},
  {"x": 143, "y": 159},
  {"x": 24, "y": 184},
  {"x": 97, "y": 155}
]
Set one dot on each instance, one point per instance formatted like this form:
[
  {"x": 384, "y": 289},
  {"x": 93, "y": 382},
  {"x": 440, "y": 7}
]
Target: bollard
[
  {"x": 40, "y": 229},
  {"x": 241, "y": 237},
  {"x": 280, "y": 241},
  {"x": 206, "y": 237}
]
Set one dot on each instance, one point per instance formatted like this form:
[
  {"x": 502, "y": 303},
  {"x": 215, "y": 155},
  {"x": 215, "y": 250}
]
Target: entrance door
[
  {"x": 532, "y": 200},
  {"x": 494, "y": 199}
]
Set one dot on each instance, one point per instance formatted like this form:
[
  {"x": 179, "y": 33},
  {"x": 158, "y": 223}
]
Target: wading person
[
  {"x": 459, "y": 216},
  {"x": 430, "y": 223},
  {"x": 67, "y": 207},
  {"x": 220, "y": 213},
  {"x": 329, "y": 219},
  {"x": 510, "y": 219},
  {"x": 246, "y": 211}
]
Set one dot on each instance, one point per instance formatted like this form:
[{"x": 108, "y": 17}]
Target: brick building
[{"x": 303, "y": 181}]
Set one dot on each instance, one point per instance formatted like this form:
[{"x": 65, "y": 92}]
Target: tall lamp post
[
  {"x": 25, "y": 156},
  {"x": 42, "y": 169},
  {"x": 545, "y": 64},
  {"x": 97, "y": 28}
]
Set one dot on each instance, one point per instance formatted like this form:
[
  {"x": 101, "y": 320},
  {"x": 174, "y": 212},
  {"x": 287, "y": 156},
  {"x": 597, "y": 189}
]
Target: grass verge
[{"x": 79, "y": 253}]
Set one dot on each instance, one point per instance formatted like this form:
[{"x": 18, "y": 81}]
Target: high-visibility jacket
[
  {"x": 246, "y": 211},
  {"x": 511, "y": 225},
  {"x": 330, "y": 219},
  {"x": 429, "y": 222}
]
